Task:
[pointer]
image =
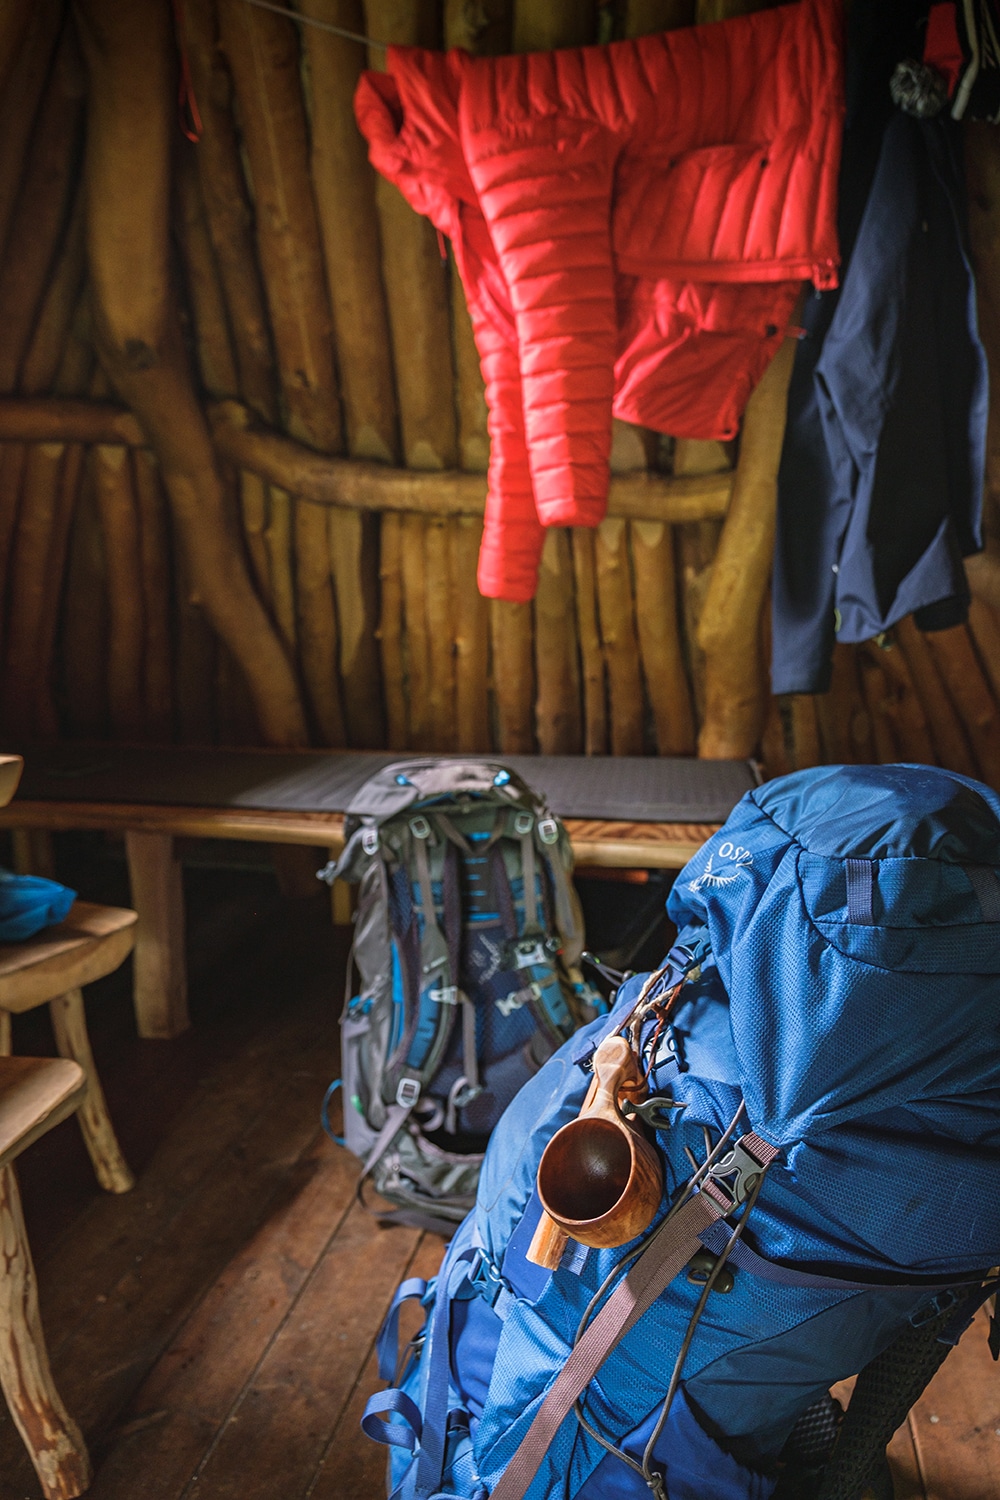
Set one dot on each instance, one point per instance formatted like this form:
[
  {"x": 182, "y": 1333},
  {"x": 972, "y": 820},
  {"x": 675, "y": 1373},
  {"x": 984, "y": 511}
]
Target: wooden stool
[
  {"x": 35, "y": 1094},
  {"x": 48, "y": 969}
]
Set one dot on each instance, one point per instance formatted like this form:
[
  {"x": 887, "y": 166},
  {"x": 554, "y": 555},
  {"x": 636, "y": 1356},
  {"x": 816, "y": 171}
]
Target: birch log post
[
  {"x": 20, "y": 100},
  {"x": 227, "y": 209},
  {"x": 440, "y": 645},
  {"x": 902, "y": 704},
  {"x": 644, "y": 16},
  {"x": 471, "y": 620},
  {"x": 804, "y": 723},
  {"x": 417, "y": 668},
  {"x": 843, "y": 718},
  {"x": 390, "y": 629},
  {"x": 344, "y": 185},
  {"x": 735, "y": 682},
  {"x": 951, "y": 743},
  {"x": 111, "y": 473},
  {"x": 483, "y": 29},
  {"x": 618, "y": 633},
  {"x": 541, "y": 25},
  {"x": 353, "y": 542},
  {"x": 512, "y": 655},
  {"x": 212, "y": 341},
  {"x": 695, "y": 545},
  {"x": 28, "y": 599},
  {"x": 83, "y": 681},
  {"x": 876, "y": 691},
  {"x": 970, "y": 692},
  {"x": 43, "y": 206},
  {"x": 263, "y": 54},
  {"x": 557, "y": 671},
  {"x": 595, "y": 687},
  {"x": 984, "y": 627},
  {"x": 659, "y": 637},
  {"x": 130, "y": 119},
  {"x": 414, "y": 276},
  {"x": 157, "y": 592},
  {"x": 14, "y": 18}
]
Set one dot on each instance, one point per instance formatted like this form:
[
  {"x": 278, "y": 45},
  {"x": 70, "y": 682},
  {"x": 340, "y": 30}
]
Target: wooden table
[{"x": 245, "y": 795}]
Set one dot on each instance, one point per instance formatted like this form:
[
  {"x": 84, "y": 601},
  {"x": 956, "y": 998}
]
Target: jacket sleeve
[
  {"x": 546, "y": 197},
  {"x": 512, "y": 533}
]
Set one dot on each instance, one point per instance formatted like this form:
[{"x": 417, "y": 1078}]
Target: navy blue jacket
[{"x": 881, "y": 477}]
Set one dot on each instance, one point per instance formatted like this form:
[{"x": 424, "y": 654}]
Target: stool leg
[
  {"x": 69, "y": 1022},
  {"x": 50, "y": 1435}
]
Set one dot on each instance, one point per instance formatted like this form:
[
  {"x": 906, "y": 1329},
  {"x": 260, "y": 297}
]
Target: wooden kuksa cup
[{"x": 599, "y": 1179}]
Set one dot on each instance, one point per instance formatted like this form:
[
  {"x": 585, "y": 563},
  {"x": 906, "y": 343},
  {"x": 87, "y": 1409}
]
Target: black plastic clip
[
  {"x": 736, "y": 1175},
  {"x": 654, "y": 1112}
]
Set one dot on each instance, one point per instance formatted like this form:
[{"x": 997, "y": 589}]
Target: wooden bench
[{"x": 155, "y": 796}]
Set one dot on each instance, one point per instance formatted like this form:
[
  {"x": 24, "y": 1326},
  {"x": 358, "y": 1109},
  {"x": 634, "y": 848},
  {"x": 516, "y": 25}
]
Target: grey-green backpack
[{"x": 454, "y": 1013}]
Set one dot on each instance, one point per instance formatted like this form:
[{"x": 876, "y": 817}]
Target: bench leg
[
  {"x": 69, "y": 1022},
  {"x": 51, "y": 1437},
  {"x": 342, "y": 899},
  {"x": 160, "y": 960}
]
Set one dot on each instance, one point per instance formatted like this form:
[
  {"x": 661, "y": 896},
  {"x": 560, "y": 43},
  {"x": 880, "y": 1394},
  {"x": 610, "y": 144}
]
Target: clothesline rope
[{"x": 294, "y": 15}]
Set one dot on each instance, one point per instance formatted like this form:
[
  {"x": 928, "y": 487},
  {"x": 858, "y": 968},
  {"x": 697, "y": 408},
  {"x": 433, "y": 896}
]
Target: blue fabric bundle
[{"x": 28, "y": 903}]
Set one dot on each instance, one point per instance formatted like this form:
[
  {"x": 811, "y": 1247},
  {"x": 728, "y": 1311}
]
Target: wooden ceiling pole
[
  {"x": 131, "y": 116},
  {"x": 344, "y": 185},
  {"x": 263, "y": 54},
  {"x": 19, "y": 103},
  {"x": 29, "y": 600}
]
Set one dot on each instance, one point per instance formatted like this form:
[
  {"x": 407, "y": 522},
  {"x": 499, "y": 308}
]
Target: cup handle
[{"x": 547, "y": 1243}]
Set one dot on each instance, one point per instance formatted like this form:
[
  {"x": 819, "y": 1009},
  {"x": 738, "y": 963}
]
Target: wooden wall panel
[{"x": 309, "y": 291}]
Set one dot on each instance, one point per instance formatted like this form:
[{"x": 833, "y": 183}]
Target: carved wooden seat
[
  {"x": 49, "y": 969},
  {"x": 35, "y": 1094}
]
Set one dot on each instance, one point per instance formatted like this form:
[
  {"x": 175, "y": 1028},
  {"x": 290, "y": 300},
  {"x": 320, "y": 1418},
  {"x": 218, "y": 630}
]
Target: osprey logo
[{"x": 733, "y": 861}]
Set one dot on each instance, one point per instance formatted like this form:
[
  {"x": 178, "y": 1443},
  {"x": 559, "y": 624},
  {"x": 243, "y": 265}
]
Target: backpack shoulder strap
[{"x": 667, "y": 1253}]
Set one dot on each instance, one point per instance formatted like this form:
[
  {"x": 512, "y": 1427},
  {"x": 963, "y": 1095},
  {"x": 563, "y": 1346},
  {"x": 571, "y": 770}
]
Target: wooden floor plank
[
  {"x": 109, "y": 1352},
  {"x": 956, "y": 1423},
  {"x": 199, "y": 1378},
  {"x": 353, "y": 1467},
  {"x": 905, "y": 1466},
  {"x": 116, "y": 1232},
  {"x": 275, "y": 1437}
]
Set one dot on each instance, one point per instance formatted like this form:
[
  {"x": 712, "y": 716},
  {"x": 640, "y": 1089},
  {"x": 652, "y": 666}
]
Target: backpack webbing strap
[
  {"x": 665, "y": 1257},
  {"x": 860, "y": 891}
]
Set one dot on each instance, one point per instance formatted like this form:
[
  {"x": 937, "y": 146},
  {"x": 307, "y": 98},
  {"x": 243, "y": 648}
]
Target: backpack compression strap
[{"x": 666, "y": 1256}]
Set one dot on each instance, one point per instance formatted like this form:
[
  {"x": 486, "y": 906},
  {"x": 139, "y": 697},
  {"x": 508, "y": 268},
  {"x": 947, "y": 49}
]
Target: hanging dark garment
[{"x": 881, "y": 476}]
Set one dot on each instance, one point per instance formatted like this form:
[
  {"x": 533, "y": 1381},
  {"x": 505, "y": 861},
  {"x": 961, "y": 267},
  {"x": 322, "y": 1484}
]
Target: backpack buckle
[
  {"x": 419, "y": 827},
  {"x": 408, "y": 1092},
  {"x": 530, "y": 951},
  {"x": 734, "y": 1177},
  {"x": 548, "y": 830},
  {"x": 369, "y": 840},
  {"x": 523, "y": 822}
]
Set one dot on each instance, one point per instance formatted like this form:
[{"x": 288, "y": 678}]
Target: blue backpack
[
  {"x": 822, "y": 1051},
  {"x": 467, "y": 942}
]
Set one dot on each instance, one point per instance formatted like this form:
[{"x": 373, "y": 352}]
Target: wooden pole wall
[{"x": 278, "y": 541}]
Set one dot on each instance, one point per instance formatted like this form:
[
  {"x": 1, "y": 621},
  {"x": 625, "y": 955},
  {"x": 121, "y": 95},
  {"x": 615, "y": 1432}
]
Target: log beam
[{"x": 352, "y": 483}]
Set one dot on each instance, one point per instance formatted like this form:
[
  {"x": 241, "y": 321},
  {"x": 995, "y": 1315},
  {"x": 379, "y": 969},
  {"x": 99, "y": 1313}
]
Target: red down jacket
[{"x": 631, "y": 224}]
